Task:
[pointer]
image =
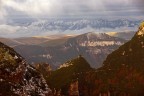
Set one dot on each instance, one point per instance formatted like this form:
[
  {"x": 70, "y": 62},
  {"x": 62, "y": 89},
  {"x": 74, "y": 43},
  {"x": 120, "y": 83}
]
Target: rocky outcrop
[{"x": 17, "y": 78}]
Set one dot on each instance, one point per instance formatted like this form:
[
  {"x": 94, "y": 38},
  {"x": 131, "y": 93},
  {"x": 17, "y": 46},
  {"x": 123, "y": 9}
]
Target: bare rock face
[
  {"x": 17, "y": 78},
  {"x": 122, "y": 71},
  {"x": 93, "y": 46},
  {"x": 74, "y": 90},
  {"x": 65, "y": 80}
]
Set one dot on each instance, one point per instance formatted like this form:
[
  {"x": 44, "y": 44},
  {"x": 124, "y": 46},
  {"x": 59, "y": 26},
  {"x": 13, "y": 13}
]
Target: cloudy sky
[
  {"x": 10, "y": 9},
  {"x": 50, "y": 8}
]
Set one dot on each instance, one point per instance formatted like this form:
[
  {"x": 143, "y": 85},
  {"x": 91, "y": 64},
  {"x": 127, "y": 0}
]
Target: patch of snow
[
  {"x": 100, "y": 43},
  {"x": 15, "y": 57},
  {"x": 65, "y": 65},
  {"x": 48, "y": 56},
  {"x": 77, "y": 49},
  {"x": 70, "y": 44},
  {"x": 1, "y": 80}
]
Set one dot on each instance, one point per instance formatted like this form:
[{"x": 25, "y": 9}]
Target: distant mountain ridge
[
  {"x": 77, "y": 24},
  {"x": 94, "y": 47},
  {"x": 124, "y": 35},
  {"x": 10, "y": 42},
  {"x": 72, "y": 26}
]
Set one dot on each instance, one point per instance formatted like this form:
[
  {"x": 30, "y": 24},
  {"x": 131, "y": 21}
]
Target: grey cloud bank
[{"x": 48, "y": 8}]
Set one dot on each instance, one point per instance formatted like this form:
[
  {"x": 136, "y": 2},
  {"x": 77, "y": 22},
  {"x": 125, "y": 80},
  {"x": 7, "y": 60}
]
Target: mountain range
[
  {"x": 94, "y": 47},
  {"x": 121, "y": 73},
  {"x": 67, "y": 26},
  {"x": 48, "y": 49},
  {"x": 77, "y": 24}
]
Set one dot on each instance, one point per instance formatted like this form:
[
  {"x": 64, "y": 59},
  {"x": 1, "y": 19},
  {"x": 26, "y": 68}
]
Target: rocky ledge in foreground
[{"x": 17, "y": 78}]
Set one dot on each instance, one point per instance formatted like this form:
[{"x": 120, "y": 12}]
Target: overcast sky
[{"x": 50, "y": 8}]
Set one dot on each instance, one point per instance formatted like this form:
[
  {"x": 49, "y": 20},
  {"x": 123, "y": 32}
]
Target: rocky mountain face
[
  {"x": 122, "y": 73},
  {"x": 43, "y": 68},
  {"x": 17, "y": 78},
  {"x": 64, "y": 80},
  {"x": 94, "y": 47},
  {"x": 74, "y": 88}
]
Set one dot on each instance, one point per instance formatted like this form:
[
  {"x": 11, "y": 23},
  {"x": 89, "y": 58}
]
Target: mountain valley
[{"x": 93, "y": 46}]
